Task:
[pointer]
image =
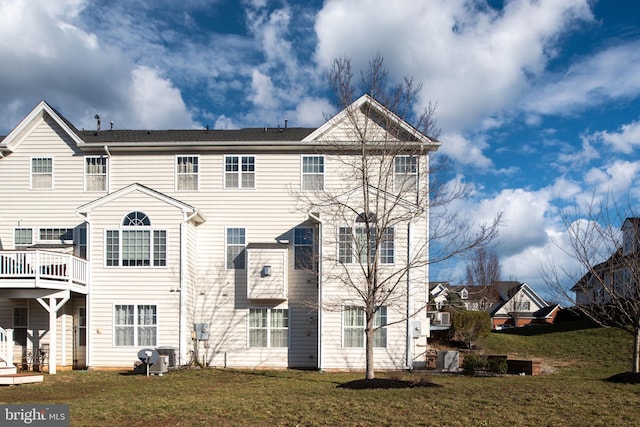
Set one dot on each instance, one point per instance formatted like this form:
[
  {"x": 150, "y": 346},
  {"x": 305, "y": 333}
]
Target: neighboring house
[
  {"x": 615, "y": 272},
  {"x": 510, "y": 303},
  {"x": 117, "y": 240}
]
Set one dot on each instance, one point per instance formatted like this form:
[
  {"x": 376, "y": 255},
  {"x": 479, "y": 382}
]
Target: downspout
[
  {"x": 409, "y": 360},
  {"x": 182, "y": 321},
  {"x": 319, "y": 278}
]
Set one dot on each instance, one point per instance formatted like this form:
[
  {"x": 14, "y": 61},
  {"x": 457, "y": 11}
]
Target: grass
[{"x": 575, "y": 395}]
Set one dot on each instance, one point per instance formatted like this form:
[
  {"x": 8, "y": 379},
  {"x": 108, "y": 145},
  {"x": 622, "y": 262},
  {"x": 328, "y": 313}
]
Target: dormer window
[{"x": 464, "y": 294}]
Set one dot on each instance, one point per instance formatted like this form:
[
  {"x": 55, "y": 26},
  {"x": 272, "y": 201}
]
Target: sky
[{"x": 538, "y": 101}]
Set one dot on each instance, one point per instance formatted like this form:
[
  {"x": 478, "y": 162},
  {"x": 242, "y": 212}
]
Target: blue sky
[{"x": 538, "y": 101}]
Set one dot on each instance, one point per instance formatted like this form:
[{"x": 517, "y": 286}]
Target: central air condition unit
[
  {"x": 171, "y": 353},
  {"x": 161, "y": 366}
]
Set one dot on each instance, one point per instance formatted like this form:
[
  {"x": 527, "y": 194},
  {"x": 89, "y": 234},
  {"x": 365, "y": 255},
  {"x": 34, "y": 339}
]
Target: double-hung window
[
  {"x": 187, "y": 168},
  {"x": 41, "y": 173},
  {"x": 405, "y": 175},
  {"x": 136, "y": 244},
  {"x": 268, "y": 327},
  {"x": 303, "y": 248},
  {"x": 20, "y": 325},
  {"x": 95, "y": 173},
  {"x": 239, "y": 171},
  {"x": 135, "y": 325},
  {"x": 235, "y": 248},
  {"x": 312, "y": 173},
  {"x": 22, "y": 238},
  {"x": 353, "y": 326},
  {"x": 354, "y": 243}
]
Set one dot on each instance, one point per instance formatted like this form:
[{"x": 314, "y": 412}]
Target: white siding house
[{"x": 116, "y": 240}]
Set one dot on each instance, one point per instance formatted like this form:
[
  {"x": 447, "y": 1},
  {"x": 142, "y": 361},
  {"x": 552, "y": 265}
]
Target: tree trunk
[
  {"x": 369, "y": 348},
  {"x": 636, "y": 351}
]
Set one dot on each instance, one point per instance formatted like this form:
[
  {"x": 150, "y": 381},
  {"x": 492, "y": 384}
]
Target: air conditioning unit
[
  {"x": 161, "y": 366},
  {"x": 171, "y": 353}
]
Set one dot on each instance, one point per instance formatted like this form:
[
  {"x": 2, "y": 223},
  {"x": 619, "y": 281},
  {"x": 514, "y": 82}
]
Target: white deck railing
[
  {"x": 42, "y": 265},
  {"x": 6, "y": 346}
]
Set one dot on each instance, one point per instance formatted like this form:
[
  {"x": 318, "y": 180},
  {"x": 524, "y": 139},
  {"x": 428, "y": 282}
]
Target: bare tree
[
  {"x": 483, "y": 268},
  {"x": 377, "y": 212},
  {"x": 604, "y": 242}
]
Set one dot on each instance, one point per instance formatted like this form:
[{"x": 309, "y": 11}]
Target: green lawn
[{"x": 574, "y": 395}]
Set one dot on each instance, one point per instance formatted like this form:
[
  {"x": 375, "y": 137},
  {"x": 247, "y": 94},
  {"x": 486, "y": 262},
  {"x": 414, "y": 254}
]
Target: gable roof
[
  {"x": 18, "y": 133},
  {"x": 195, "y": 215},
  {"x": 368, "y": 100}
]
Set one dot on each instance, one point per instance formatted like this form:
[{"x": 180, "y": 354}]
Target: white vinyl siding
[
  {"x": 187, "y": 173},
  {"x": 96, "y": 173},
  {"x": 239, "y": 171},
  {"x": 41, "y": 173},
  {"x": 312, "y": 173}
]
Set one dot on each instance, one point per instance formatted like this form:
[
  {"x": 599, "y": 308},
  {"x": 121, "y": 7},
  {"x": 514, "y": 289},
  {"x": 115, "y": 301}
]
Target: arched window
[
  {"x": 135, "y": 219},
  {"x": 136, "y": 244},
  {"x": 354, "y": 244}
]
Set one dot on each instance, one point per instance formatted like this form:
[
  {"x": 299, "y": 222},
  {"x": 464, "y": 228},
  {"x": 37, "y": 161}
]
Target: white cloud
[
  {"x": 613, "y": 73},
  {"x": 624, "y": 141},
  {"x": 473, "y": 60},
  {"x": 615, "y": 178},
  {"x": 465, "y": 151},
  {"x": 312, "y": 112}
]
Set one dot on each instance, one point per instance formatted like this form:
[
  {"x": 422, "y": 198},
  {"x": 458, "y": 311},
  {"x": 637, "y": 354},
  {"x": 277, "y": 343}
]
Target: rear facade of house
[{"x": 194, "y": 242}]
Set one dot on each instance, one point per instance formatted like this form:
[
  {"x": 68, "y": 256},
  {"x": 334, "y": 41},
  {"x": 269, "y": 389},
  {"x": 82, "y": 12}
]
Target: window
[
  {"x": 132, "y": 246},
  {"x": 312, "y": 173},
  {"x": 268, "y": 327},
  {"x": 236, "y": 241},
  {"x": 80, "y": 240},
  {"x": 187, "y": 173},
  {"x": 352, "y": 243},
  {"x": 56, "y": 234},
  {"x": 95, "y": 173},
  {"x": 22, "y": 237},
  {"x": 353, "y": 320},
  {"x": 20, "y": 324},
  {"x": 405, "y": 173},
  {"x": 82, "y": 326},
  {"x": 303, "y": 248},
  {"x": 135, "y": 325},
  {"x": 239, "y": 172},
  {"x": 522, "y": 306},
  {"x": 41, "y": 173}
]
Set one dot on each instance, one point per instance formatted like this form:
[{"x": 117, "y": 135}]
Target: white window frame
[
  {"x": 157, "y": 253},
  {"x": 348, "y": 247},
  {"x": 406, "y": 179},
  {"x": 195, "y": 173},
  {"x": 88, "y": 174},
  {"x": 59, "y": 231},
  {"x": 136, "y": 326},
  {"x": 82, "y": 327},
  {"x": 380, "y": 321},
  {"x": 314, "y": 173},
  {"x": 268, "y": 328},
  {"x": 15, "y": 240},
  {"x": 239, "y": 173},
  {"x": 32, "y": 174},
  {"x": 242, "y": 246}
]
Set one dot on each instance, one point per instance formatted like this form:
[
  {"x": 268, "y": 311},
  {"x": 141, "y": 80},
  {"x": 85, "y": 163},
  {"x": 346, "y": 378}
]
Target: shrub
[
  {"x": 497, "y": 365},
  {"x": 473, "y": 363}
]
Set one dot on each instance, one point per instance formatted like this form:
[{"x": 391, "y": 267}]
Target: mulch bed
[{"x": 385, "y": 383}]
